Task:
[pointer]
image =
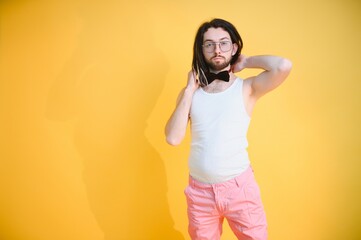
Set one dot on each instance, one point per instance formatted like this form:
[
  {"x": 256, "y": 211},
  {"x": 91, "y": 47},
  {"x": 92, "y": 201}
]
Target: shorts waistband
[{"x": 237, "y": 181}]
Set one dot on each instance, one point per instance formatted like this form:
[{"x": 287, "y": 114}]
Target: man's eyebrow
[{"x": 210, "y": 40}]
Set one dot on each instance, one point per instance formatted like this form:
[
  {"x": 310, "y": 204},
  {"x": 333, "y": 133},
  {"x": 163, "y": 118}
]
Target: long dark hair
[{"x": 199, "y": 65}]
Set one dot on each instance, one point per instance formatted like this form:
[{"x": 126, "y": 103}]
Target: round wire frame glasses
[{"x": 224, "y": 46}]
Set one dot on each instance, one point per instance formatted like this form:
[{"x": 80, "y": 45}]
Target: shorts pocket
[{"x": 254, "y": 204}]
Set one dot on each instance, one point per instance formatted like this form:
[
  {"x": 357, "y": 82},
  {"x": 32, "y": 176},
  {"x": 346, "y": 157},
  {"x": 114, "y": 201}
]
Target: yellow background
[{"x": 86, "y": 88}]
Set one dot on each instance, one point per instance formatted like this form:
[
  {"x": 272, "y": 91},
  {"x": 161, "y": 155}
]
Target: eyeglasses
[{"x": 224, "y": 46}]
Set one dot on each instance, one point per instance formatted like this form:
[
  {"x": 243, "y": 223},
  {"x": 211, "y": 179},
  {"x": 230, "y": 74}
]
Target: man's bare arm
[
  {"x": 276, "y": 70},
  {"x": 177, "y": 124}
]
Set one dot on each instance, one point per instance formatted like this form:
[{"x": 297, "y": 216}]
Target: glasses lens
[
  {"x": 225, "y": 46},
  {"x": 209, "y": 47}
]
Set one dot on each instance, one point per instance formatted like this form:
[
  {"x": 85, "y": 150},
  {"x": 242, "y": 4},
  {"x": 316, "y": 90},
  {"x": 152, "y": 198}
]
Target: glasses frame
[{"x": 213, "y": 44}]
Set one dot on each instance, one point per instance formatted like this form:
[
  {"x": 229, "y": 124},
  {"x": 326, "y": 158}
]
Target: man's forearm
[
  {"x": 177, "y": 124},
  {"x": 266, "y": 62}
]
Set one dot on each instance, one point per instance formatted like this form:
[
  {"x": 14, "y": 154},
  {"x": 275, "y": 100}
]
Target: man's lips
[{"x": 218, "y": 58}]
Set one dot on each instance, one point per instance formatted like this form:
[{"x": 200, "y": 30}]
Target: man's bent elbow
[
  {"x": 285, "y": 65},
  {"x": 174, "y": 141}
]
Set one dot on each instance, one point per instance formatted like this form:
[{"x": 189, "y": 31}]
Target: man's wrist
[
  {"x": 189, "y": 90},
  {"x": 247, "y": 62}
]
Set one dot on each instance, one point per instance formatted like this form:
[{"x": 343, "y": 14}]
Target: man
[{"x": 219, "y": 106}]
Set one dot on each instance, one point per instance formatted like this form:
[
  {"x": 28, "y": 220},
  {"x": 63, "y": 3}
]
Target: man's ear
[{"x": 234, "y": 49}]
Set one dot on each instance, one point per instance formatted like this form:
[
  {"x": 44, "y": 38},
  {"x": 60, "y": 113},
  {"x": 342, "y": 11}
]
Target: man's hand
[
  {"x": 240, "y": 64},
  {"x": 193, "y": 82}
]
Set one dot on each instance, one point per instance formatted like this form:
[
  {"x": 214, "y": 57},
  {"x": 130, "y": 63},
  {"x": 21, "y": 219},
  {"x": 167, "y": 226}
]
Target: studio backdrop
[{"x": 86, "y": 88}]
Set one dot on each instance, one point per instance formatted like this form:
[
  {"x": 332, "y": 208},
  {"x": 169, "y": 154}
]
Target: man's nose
[{"x": 217, "y": 48}]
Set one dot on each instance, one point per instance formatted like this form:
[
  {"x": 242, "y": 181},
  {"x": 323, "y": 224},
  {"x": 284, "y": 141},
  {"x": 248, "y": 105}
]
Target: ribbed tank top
[{"x": 219, "y": 125}]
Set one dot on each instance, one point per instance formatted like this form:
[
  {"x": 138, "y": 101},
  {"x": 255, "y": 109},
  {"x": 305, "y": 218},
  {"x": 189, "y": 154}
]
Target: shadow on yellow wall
[
  {"x": 109, "y": 86},
  {"x": 78, "y": 82}
]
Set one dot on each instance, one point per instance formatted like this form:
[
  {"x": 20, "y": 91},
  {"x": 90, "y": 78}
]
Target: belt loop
[{"x": 238, "y": 182}]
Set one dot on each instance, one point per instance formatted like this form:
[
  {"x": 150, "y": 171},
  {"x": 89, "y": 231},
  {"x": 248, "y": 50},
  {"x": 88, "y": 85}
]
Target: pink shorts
[{"x": 238, "y": 200}]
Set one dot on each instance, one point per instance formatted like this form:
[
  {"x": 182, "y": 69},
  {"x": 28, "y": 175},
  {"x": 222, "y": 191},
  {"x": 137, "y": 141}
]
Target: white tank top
[{"x": 219, "y": 125}]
